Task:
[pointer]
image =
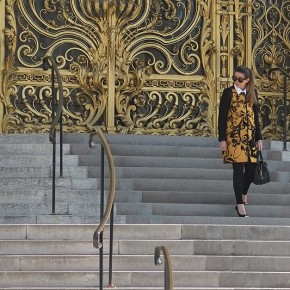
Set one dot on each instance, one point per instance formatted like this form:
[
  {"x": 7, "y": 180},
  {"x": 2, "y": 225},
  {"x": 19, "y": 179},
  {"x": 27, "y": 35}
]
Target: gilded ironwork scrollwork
[
  {"x": 271, "y": 48},
  {"x": 171, "y": 39},
  {"x": 140, "y": 66}
]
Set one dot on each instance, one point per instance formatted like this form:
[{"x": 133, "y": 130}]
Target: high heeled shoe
[
  {"x": 245, "y": 199},
  {"x": 240, "y": 215}
]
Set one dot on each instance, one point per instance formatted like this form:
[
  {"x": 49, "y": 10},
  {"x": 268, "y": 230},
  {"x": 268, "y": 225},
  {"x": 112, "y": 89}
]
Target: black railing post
[
  {"x": 56, "y": 115},
  {"x": 286, "y": 75},
  {"x": 53, "y": 103},
  {"x": 102, "y": 202},
  {"x": 111, "y": 285},
  {"x": 285, "y": 115},
  {"x": 60, "y": 147}
]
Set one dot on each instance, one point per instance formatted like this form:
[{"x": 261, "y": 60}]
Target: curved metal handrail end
[
  {"x": 167, "y": 265},
  {"x": 46, "y": 60},
  {"x": 96, "y": 240},
  {"x": 111, "y": 198},
  {"x": 91, "y": 143}
]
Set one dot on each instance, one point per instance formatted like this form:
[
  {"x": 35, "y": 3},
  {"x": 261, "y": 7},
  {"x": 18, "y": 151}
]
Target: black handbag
[{"x": 261, "y": 175}]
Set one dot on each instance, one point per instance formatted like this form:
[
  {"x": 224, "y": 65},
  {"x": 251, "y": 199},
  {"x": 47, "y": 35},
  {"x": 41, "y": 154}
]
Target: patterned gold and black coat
[{"x": 238, "y": 125}]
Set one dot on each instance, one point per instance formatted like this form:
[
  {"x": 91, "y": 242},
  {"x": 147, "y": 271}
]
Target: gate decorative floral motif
[{"x": 138, "y": 66}]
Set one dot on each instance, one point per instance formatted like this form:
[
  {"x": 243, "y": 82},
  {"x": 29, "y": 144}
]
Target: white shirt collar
[{"x": 238, "y": 90}]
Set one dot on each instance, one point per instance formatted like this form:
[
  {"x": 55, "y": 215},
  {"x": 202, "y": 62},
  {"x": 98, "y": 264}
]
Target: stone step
[
  {"x": 214, "y": 256},
  {"x": 33, "y": 183},
  {"x": 225, "y": 173},
  {"x": 84, "y": 232},
  {"x": 182, "y": 185},
  {"x": 45, "y": 196},
  {"x": 161, "y": 140},
  {"x": 35, "y": 160},
  {"x": 146, "y": 247},
  {"x": 150, "y": 151},
  {"x": 141, "y": 150},
  {"x": 175, "y": 162},
  {"x": 180, "y": 197},
  {"x": 46, "y": 171},
  {"x": 144, "y": 232},
  {"x": 167, "y": 162},
  {"x": 32, "y": 149},
  {"x": 162, "y": 172},
  {"x": 52, "y": 219},
  {"x": 64, "y": 195},
  {"x": 186, "y": 185},
  {"x": 158, "y": 219},
  {"x": 150, "y": 278},
  {"x": 57, "y": 219},
  {"x": 144, "y": 288},
  {"x": 24, "y": 138},
  {"x": 136, "y": 184},
  {"x": 143, "y": 263},
  {"x": 83, "y": 138},
  {"x": 178, "y": 209},
  {"x": 63, "y": 208}
]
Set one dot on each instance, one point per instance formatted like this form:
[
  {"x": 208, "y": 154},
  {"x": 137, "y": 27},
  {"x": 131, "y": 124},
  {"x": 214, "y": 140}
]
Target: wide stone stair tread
[
  {"x": 214, "y": 220},
  {"x": 128, "y": 262},
  {"x": 33, "y": 183},
  {"x": 204, "y": 256},
  {"x": 35, "y": 149},
  {"x": 145, "y": 161},
  {"x": 180, "y": 197},
  {"x": 203, "y": 185},
  {"x": 199, "y": 210},
  {"x": 153, "y": 278},
  {"x": 64, "y": 195},
  {"x": 38, "y": 172},
  {"x": 161, "y": 172},
  {"x": 149, "y": 151},
  {"x": 56, "y": 219},
  {"x": 35, "y": 160},
  {"x": 146, "y": 231},
  {"x": 144, "y": 288},
  {"x": 161, "y": 140},
  {"x": 24, "y": 139}
]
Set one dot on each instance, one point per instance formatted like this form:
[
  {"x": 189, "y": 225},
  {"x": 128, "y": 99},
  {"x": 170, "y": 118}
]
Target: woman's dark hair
[{"x": 250, "y": 86}]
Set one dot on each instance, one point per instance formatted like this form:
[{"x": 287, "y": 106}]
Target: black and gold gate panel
[{"x": 139, "y": 66}]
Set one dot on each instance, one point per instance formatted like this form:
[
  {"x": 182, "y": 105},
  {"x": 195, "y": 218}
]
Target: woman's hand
[
  {"x": 223, "y": 145},
  {"x": 259, "y": 145}
]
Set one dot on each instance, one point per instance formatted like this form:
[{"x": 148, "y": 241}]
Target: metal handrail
[
  {"x": 48, "y": 61},
  {"x": 98, "y": 234},
  {"x": 53, "y": 65},
  {"x": 286, "y": 75},
  {"x": 168, "y": 276}
]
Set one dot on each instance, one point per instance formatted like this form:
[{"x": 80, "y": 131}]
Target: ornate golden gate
[{"x": 139, "y": 66}]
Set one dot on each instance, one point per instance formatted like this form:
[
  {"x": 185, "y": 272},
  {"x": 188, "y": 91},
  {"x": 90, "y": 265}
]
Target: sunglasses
[{"x": 240, "y": 80}]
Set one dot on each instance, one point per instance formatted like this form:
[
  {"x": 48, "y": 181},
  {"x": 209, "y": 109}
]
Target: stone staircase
[
  {"x": 203, "y": 257},
  {"x": 172, "y": 191}
]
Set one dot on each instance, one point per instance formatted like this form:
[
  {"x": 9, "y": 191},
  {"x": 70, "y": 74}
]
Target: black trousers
[{"x": 243, "y": 176}]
